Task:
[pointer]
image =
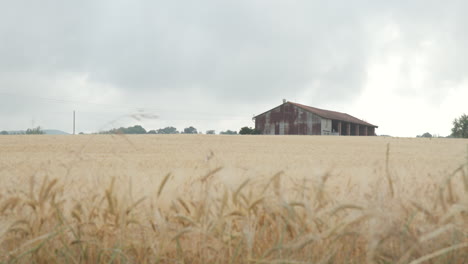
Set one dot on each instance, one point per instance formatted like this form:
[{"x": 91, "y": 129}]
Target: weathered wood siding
[{"x": 288, "y": 119}]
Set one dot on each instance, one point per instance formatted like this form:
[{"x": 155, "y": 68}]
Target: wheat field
[{"x": 232, "y": 199}]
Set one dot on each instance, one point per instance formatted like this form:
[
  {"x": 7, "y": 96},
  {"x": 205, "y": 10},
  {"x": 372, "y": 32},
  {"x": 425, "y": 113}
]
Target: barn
[{"x": 297, "y": 119}]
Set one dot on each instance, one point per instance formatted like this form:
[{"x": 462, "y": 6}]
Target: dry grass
[{"x": 232, "y": 199}]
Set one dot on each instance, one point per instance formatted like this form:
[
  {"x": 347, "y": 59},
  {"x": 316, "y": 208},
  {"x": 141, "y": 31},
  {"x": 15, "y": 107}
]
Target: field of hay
[{"x": 232, "y": 199}]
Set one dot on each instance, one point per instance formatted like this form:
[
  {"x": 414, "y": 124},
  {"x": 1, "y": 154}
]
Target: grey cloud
[
  {"x": 434, "y": 30},
  {"x": 239, "y": 50},
  {"x": 232, "y": 50}
]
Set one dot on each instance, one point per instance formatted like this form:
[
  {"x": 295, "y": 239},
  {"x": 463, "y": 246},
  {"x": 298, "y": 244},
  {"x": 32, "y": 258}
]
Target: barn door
[{"x": 281, "y": 128}]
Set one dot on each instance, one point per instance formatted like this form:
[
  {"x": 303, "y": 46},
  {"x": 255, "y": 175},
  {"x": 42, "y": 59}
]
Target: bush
[
  {"x": 210, "y": 132},
  {"x": 4, "y": 132}
]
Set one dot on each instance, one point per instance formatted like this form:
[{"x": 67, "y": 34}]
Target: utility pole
[{"x": 73, "y": 122}]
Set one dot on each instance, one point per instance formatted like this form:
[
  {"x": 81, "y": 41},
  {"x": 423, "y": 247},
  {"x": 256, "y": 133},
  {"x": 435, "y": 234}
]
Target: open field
[{"x": 232, "y": 199}]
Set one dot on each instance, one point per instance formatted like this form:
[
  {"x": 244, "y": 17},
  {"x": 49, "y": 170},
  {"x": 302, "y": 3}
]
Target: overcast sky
[{"x": 212, "y": 64}]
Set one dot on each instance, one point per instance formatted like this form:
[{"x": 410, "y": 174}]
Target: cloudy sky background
[{"x": 401, "y": 65}]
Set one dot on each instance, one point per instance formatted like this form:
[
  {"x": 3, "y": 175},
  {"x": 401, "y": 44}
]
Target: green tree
[
  {"x": 425, "y": 135},
  {"x": 168, "y": 130},
  {"x": 460, "y": 127},
  {"x": 190, "y": 130},
  {"x": 228, "y": 132},
  {"x": 152, "y": 132},
  {"x": 34, "y": 131},
  {"x": 4, "y": 132},
  {"x": 135, "y": 130},
  {"x": 248, "y": 131},
  {"x": 210, "y": 132}
]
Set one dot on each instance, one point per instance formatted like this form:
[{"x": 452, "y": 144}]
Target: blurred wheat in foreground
[{"x": 80, "y": 206}]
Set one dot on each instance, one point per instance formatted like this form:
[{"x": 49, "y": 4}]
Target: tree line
[
  {"x": 459, "y": 130},
  {"x": 137, "y": 129},
  {"x": 29, "y": 131}
]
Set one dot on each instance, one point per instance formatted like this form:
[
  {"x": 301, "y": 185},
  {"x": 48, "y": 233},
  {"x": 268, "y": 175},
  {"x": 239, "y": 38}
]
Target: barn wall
[{"x": 288, "y": 119}]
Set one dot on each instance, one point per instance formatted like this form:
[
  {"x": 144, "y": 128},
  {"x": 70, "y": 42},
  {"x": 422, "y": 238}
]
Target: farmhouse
[{"x": 297, "y": 119}]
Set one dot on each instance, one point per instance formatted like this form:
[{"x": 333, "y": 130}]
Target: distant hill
[
  {"x": 55, "y": 132},
  {"x": 46, "y": 131},
  {"x": 14, "y": 132}
]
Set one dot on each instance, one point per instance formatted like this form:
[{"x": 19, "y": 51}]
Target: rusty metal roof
[
  {"x": 333, "y": 115},
  {"x": 328, "y": 114}
]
